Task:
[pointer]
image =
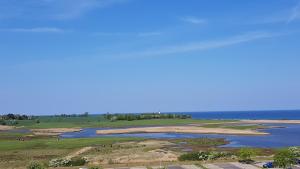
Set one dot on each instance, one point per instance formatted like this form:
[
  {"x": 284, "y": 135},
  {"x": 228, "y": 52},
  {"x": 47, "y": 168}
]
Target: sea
[{"x": 253, "y": 115}]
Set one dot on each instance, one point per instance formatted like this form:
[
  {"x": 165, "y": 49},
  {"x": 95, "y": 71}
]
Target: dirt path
[{"x": 78, "y": 152}]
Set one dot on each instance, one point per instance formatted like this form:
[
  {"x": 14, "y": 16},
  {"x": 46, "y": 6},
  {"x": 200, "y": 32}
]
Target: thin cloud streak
[
  {"x": 35, "y": 30},
  {"x": 295, "y": 13},
  {"x": 206, "y": 45},
  {"x": 193, "y": 20},
  {"x": 53, "y": 9},
  {"x": 136, "y": 34}
]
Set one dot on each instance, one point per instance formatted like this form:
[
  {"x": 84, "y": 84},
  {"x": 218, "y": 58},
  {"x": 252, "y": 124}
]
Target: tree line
[{"x": 144, "y": 116}]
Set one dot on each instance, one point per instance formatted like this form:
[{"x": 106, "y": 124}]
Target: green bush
[
  {"x": 295, "y": 151},
  {"x": 35, "y": 165},
  {"x": 194, "y": 156},
  {"x": 245, "y": 154},
  {"x": 284, "y": 159},
  {"x": 59, "y": 162},
  {"x": 202, "y": 156},
  {"x": 94, "y": 167},
  {"x": 77, "y": 161}
]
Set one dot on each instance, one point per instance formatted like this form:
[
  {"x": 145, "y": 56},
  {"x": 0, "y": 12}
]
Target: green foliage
[
  {"x": 203, "y": 156},
  {"x": 284, "y": 158},
  {"x": 194, "y": 156},
  {"x": 59, "y": 162},
  {"x": 35, "y": 165},
  {"x": 295, "y": 151},
  {"x": 78, "y": 161},
  {"x": 245, "y": 154},
  {"x": 145, "y": 116},
  {"x": 52, "y": 143},
  {"x": 94, "y": 167}
]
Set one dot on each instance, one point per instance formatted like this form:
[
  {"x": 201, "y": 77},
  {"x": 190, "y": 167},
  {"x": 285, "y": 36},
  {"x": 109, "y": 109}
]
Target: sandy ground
[
  {"x": 181, "y": 129},
  {"x": 135, "y": 152},
  {"x": 2, "y": 127},
  {"x": 271, "y": 121},
  {"x": 79, "y": 152},
  {"x": 54, "y": 131}
]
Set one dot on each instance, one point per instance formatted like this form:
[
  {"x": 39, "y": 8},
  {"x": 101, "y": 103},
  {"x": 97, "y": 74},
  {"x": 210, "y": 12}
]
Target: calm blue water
[
  {"x": 273, "y": 115},
  {"x": 279, "y": 137}
]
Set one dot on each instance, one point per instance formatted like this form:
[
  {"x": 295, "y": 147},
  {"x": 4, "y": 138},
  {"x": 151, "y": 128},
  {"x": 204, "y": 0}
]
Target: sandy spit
[
  {"x": 271, "y": 121},
  {"x": 181, "y": 129},
  {"x": 3, "y": 128},
  {"x": 54, "y": 131}
]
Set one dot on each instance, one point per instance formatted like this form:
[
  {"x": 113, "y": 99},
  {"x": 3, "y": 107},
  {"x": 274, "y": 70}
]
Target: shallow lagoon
[{"x": 279, "y": 137}]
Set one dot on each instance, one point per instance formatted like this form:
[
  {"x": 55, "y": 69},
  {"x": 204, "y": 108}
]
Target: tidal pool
[{"x": 278, "y": 137}]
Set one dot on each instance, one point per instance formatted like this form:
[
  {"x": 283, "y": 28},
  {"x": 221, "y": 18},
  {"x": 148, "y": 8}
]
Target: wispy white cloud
[
  {"x": 193, "y": 20},
  {"x": 285, "y": 16},
  {"x": 55, "y": 9},
  {"x": 35, "y": 30},
  {"x": 205, "y": 45},
  {"x": 145, "y": 34},
  {"x": 136, "y": 34},
  {"x": 295, "y": 13}
]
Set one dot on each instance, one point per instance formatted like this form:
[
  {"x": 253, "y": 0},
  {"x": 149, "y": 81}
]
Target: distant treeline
[
  {"x": 85, "y": 114},
  {"x": 145, "y": 116},
  {"x": 12, "y": 116}
]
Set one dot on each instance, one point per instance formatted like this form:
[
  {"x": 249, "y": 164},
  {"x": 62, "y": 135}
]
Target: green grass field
[
  {"x": 52, "y": 143},
  {"x": 98, "y": 121}
]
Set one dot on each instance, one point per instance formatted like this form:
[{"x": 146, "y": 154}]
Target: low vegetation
[
  {"x": 35, "y": 165},
  {"x": 144, "y": 116},
  {"x": 284, "y": 158},
  {"x": 246, "y": 154},
  {"x": 205, "y": 155}
]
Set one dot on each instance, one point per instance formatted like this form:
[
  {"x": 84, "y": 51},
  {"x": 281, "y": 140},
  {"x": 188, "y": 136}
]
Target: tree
[
  {"x": 245, "y": 154},
  {"x": 284, "y": 159}
]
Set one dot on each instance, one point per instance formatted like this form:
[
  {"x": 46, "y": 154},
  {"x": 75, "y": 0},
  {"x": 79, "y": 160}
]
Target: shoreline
[
  {"x": 271, "y": 121},
  {"x": 180, "y": 129}
]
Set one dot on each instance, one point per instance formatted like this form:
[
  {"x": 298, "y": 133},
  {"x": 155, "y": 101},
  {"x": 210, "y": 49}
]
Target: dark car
[
  {"x": 297, "y": 161},
  {"x": 268, "y": 165}
]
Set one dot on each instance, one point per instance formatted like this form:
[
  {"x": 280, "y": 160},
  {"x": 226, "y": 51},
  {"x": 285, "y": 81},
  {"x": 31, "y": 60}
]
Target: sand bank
[
  {"x": 271, "y": 121},
  {"x": 181, "y": 129},
  {"x": 3, "y": 128},
  {"x": 54, "y": 131}
]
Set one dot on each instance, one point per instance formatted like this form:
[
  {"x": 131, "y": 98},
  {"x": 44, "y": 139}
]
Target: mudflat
[{"x": 181, "y": 129}]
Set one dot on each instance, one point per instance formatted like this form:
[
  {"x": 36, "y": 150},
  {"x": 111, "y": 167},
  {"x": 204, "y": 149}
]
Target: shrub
[
  {"x": 202, "y": 156},
  {"x": 35, "y": 165},
  {"x": 78, "y": 161},
  {"x": 189, "y": 157},
  {"x": 94, "y": 167},
  {"x": 284, "y": 159},
  {"x": 2, "y": 122},
  {"x": 245, "y": 154},
  {"x": 59, "y": 162},
  {"x": 295, "y": 151}
]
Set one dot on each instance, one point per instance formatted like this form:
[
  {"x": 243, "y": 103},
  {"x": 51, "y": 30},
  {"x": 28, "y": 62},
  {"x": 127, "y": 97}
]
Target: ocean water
[{"x": 273, "y": 115}]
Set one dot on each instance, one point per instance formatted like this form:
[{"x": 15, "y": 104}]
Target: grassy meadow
[{"x": 99, "y": 121}]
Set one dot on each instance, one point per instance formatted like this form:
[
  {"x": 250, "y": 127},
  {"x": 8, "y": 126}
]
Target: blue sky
[{"x": 71, "y": 56}]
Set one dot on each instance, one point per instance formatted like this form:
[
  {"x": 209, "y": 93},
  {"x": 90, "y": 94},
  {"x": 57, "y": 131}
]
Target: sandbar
[{"x": 181, "y": 129}]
